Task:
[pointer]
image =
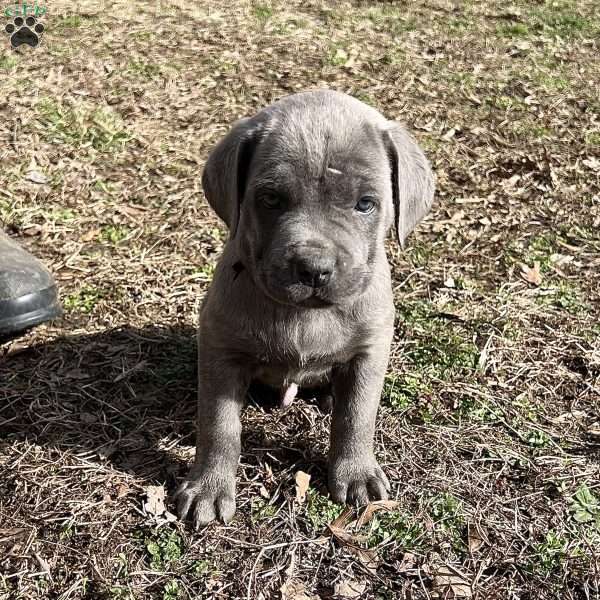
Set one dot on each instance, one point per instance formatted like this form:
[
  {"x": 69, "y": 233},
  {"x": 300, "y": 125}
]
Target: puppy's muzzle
[{"x": 312, "y": 267}]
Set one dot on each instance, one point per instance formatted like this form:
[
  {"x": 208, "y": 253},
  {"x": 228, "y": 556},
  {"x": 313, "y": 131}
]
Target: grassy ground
[{"x": 489, "y": 428}]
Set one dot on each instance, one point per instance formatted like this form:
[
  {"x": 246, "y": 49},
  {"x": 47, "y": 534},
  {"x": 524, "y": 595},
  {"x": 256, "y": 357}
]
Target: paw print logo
[{"x": 24, "y": 31}]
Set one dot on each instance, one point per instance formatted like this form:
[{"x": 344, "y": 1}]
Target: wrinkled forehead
[{"x": 317, "y": 146}]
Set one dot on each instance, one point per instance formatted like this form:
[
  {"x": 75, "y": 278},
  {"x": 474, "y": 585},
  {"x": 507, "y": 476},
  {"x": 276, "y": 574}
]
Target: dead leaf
[
  {"x": 532, "y": 274},
  {"x": 408, "y": 562},
  {"x": 450, "y": 583},
  {"x": 155, "y": 500},
  {"x": 43, "y": 564},
  {"x": 349, "y": 589},
  {"x": 36, "y": 176},
  {"x": 122, "y": 490},
  {"x": 594, "y": 429},
  {"x": 13, "y": 539},
  {"x": 368, "y": 558},
  {"x": 373, "y": 507},
  {"x": 90, "y": 235},
  {"x": 592, "y": 162},
  {"x": 575, "y": 415},
  {"x": 474, "y": 538},
  {"x": 294, "y": 589},
  {"x": 33, "y": 230},
  {"x": 302, "y": 482},
  {"x": 343, "y": 519}
]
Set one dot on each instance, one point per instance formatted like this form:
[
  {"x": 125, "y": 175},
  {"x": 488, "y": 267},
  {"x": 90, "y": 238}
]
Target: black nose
[{"x": 314, "y": 271}]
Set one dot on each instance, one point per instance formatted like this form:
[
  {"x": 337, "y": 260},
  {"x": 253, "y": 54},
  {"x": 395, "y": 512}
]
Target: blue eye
[{"x": 365, "y": 205}]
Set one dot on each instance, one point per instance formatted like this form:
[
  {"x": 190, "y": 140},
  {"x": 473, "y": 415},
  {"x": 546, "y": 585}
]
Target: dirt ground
[{"x": 489, "y": 427}]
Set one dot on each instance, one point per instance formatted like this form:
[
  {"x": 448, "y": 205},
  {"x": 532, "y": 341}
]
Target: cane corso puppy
[{"x": 309, "y": 188}]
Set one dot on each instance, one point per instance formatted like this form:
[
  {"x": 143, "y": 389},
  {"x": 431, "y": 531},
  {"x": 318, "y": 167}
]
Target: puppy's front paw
[
  {"x": 206, "y": 496},
  {"x": 357, "y": 481}
]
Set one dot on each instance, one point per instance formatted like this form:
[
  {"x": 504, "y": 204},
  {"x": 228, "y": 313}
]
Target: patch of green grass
[
  {"x": 84, "y": 300},
  {"x": 449, "y": 521},
  {"x": 171, "y": 591},
  {"x": 114, "y": 233},
  {"x": 100, "y": 127},
  {"x": 320, "y": 510},
  {"x": 391, "y": 18},
  {"x": 564, "y": 296},
  {"x": 525, "y": 129},
  {"x": 551, "y": 81},
  {"x": 506, "y": 103},
  {"x": 164, "y": 547},
  {"x": 439, "y": 347},
  {"x": 512, "y": 29},
  {"x": 550, "y": 553},
  {"x": 562, "y": 21},
  {"x": 206, "y": 271},
  {"x": 419, "y": 254},
  {"x": 592, "y": 138},
  {"x": 262, "y": 13},
  {"x": 143, "y": 36},
  {"x": 7, "y": 62},
  {"x": 460, "y": 24},
  {"x": 537, "y": 438},
  {"x": 68, "y": 22},
  {"x": 550, "y": 19},
  {"x": 118, "y": 592},
  {"x": 585, "y": 506},
  {"x": 444, "y": 354},
  {"x": 106, "y": 187},
  {"x": 143, "y": 69},
  {"x": 202, "y": 567},
  {"x": 337, "y": 55},
  {"x": 261, "y": 510},
  {"x": 61, "y": 215},
  {"x": 366, "y": 98},
  {"x": 396, "y": 526},
  {"x": 402, "y": 391},
  {"x": 478, "y": 410}
]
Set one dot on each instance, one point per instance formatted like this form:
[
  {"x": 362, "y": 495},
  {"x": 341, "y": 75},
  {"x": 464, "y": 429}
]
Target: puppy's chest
[{"x": 302, "y": 350}]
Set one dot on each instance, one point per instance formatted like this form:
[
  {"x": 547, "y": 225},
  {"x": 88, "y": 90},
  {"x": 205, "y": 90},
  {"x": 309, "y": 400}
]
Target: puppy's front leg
[
  {"x": 209, "y": 490},
  {"x": 354, "y": 475}
]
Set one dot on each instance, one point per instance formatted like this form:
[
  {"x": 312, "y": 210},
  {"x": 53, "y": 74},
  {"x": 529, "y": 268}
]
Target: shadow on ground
[
  {"x": 124, "y": 395},
  {"x": 127, "y": 396}
]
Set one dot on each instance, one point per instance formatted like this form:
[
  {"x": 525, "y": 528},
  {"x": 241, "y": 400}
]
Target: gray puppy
[{"x": 309, "y": 188}]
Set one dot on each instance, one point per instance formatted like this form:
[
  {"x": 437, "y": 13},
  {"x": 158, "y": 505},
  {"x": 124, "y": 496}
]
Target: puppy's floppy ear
[
  {"x": 226, "y": 170},
  {"x": 413, "y": 183}
]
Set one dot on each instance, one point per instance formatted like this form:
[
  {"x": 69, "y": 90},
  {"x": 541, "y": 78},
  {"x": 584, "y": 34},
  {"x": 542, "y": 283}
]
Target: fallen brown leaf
[
  {"x": 349, "y": 589},
  {"x": 294, "y": 589},
  {"x": 373, "y": 507},
  {"x": 155, "y": 500},
  {"x": 302, "y": 482},
  {"x": 450, "y": 583},
  {"x": 90, "y": 235},
  {"x": 474, "y": 538},
  {"x": 532, "y": 274}
]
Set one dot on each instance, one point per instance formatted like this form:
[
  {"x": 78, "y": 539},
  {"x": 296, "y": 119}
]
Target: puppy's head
[{"x": 309, "y": 187}]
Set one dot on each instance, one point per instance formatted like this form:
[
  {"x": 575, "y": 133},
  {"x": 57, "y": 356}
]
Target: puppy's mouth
[
  {"x": 316, "y": 299},
  {"x": 297, "y": 294}
]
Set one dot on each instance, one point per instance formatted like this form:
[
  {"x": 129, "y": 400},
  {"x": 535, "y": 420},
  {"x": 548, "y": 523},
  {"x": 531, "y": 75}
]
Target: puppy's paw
[
  {"x": 206, "y": 496},
  {"x": 357, "y": 481}
]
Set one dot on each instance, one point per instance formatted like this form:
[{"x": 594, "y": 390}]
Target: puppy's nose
[{"x": 314, "y": 271}]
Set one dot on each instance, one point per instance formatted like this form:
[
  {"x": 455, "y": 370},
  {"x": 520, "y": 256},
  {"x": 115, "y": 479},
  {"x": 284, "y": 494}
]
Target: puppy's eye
[
  {"x": 365, "y": 205},
  {"x": 272, "y": 202}
]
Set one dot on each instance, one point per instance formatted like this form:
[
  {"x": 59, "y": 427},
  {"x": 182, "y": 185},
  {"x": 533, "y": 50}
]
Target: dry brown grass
[{"x": 489, "y": 429}]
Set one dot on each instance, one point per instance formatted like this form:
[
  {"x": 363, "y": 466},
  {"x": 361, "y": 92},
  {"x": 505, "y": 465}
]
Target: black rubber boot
[{"x": 28, "y": 294}]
